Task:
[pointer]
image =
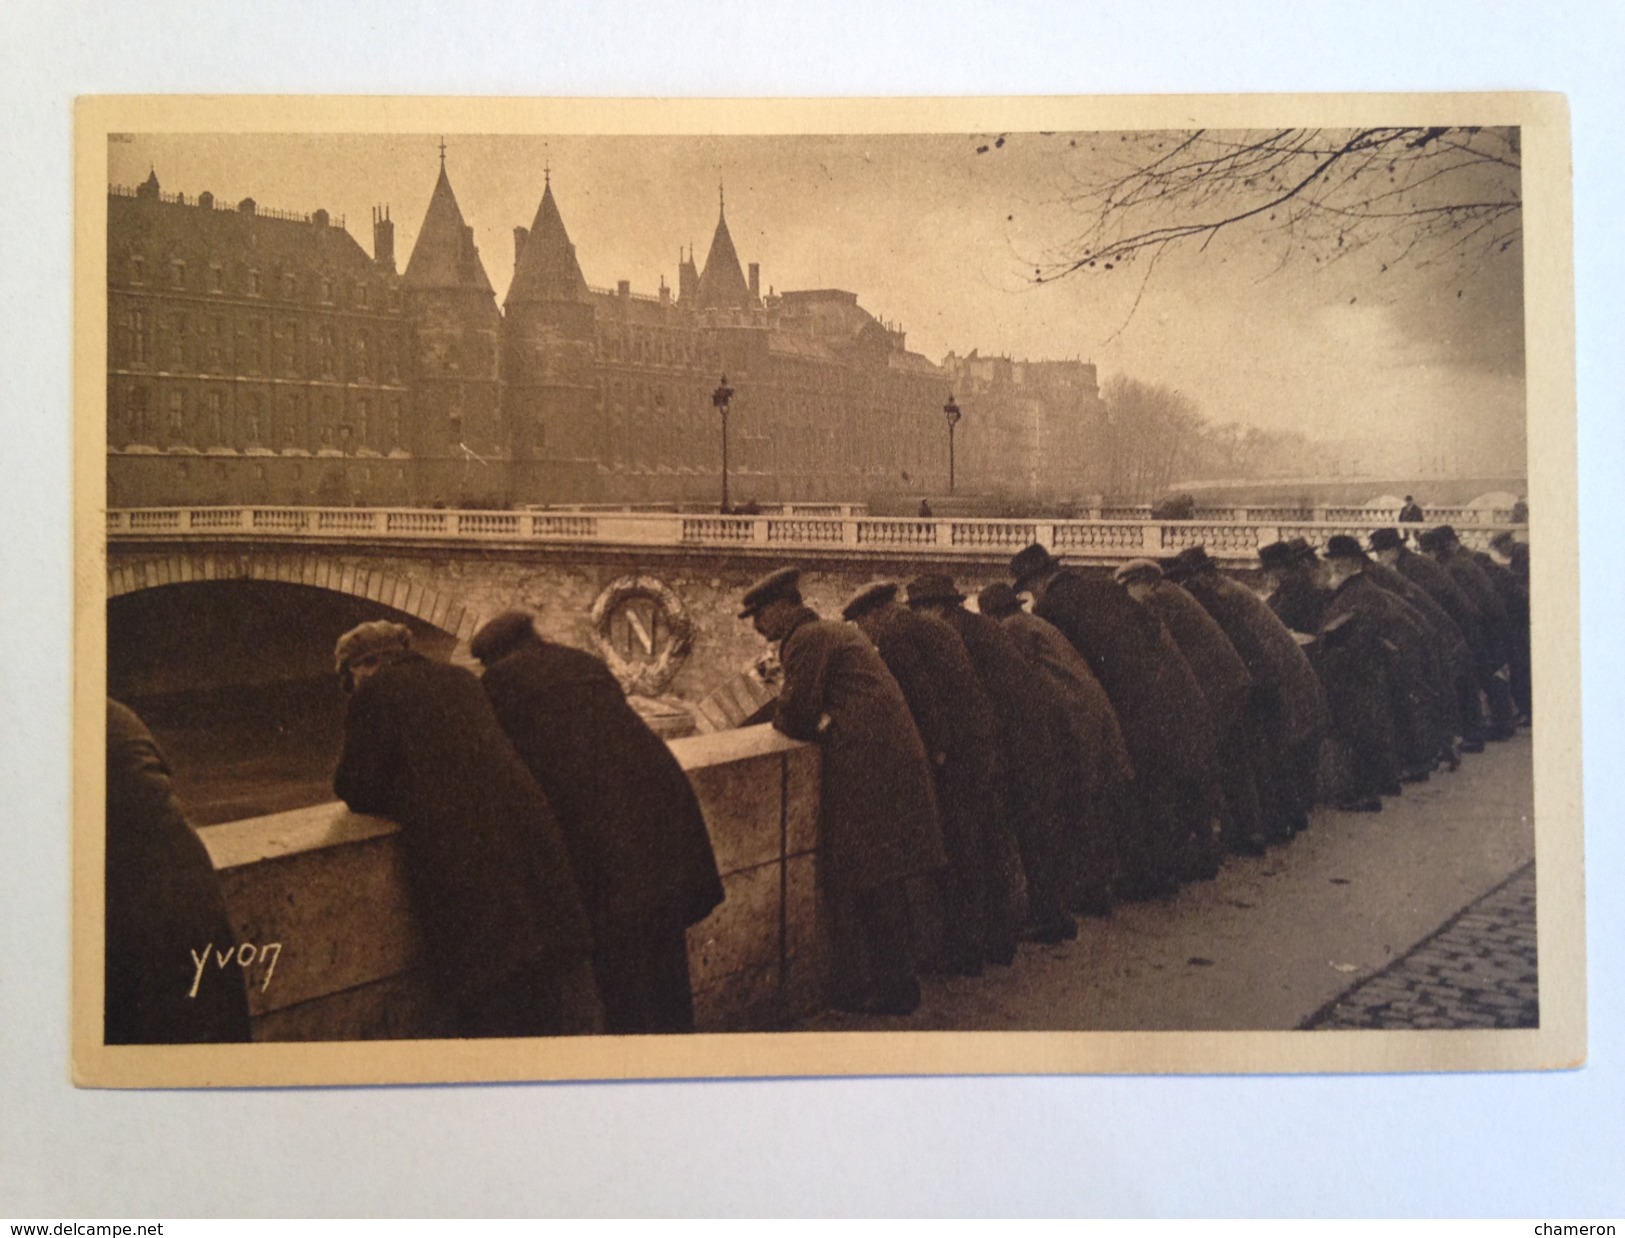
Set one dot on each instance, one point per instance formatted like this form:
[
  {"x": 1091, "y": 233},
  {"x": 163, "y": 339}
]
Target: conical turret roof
[
  {"x": 722, "y": 283},
  {"x": 445, "y": 255},
  {"x": 547, "y": 268}
]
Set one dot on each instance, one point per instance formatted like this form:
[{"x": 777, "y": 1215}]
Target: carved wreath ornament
[{"x": 643, "y": 632}]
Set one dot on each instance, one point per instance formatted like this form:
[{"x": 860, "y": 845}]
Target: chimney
[
  {"x": 665, "y": 292},
  {"x": 756, "y": 281},
  {"x": 206, "y": 200},
  {"x": 520, "y": 236},
  {"x": 319, "y": 218},
  {"x": 623, "y": 289},
  {"x": 246, "y": 206},
  {"x": 383, "y": 238}
]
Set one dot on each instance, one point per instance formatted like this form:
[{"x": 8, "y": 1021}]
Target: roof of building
[
  {"x": 547, "y": 269},
  {"x": 722, "y": 283},
  {"x": 445, "y": 255}
]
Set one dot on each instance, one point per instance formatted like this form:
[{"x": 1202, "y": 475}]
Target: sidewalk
[{"x": 1281, "y": 939}]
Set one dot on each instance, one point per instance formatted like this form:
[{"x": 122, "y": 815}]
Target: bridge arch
[{"x": 425, "y": 602}]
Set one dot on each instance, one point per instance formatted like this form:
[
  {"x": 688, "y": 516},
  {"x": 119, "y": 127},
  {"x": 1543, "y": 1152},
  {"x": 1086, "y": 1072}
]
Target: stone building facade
[{"x": 260, "y": 357}]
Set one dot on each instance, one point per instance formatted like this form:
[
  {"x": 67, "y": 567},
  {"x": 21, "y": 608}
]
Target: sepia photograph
[{"x": 652, "y": 590}]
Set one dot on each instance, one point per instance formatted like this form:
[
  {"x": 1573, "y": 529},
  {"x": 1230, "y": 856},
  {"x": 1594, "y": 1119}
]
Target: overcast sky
[{"x": 943, "y": 240}]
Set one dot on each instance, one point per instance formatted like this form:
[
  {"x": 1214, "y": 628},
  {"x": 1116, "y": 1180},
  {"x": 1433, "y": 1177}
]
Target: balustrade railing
[{"x": 1103, "y": 539}]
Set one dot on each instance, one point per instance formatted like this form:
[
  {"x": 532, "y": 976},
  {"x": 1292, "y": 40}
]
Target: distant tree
[
  {"x": 1152, "y": 430},
  {"x": 1413, "y": 195}
]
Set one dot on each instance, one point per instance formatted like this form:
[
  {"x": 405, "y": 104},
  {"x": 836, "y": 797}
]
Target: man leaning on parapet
[
  {"x": 491, "y": 885},
  {"x": 877, "y": 814}
]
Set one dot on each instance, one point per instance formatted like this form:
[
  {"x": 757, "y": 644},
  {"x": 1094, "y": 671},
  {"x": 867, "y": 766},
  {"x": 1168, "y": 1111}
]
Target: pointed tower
[
  {"x": 722, "y": 283},
  {"x": 549, "y": 350},
  {"x": 456, "y": 389}
]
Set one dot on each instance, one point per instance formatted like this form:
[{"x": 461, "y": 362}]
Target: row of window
[
  {"x": 184, "y": 342},
  {"x": 180, "y": 419},
  {"x": 214, "y": 277}
]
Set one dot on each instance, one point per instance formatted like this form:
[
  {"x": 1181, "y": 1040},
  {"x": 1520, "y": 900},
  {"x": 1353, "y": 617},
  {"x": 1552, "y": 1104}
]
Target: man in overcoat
[
  {"x": 1500, "y": 638},
  {"x": 637, "y": 839},
  {"x": 164, "y": 908},
  {"x": 1288, "y": 703},
  {"x": 1457, "y": 691},
  {"x": 1165, "y": 720},
  {"x": 878, "y": 816},
  {"x": 958, "y": 727},
  {"x": 1102, "y": 800},
  {"x": 1389, "y": 549},
  {"x": 1226, "y": 684},
  {"x": 1415, "y": 679},
  {"x": 1035, "y": 745},
  {"x": 1295, "y": 593},
  {"x": 508, "y": 942}
]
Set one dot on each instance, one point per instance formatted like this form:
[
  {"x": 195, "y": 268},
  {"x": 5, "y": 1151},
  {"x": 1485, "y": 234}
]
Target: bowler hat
[
  {"x": 783, "y": 583},
  {"x": 1503, "y": 540},
  {"x": 871, "y": 597},
  {"x": 1276, "y": 557},
  {"x": 1138, "y": 571},
  {"x": 369, "y": 640},
  {"x": 933, "y": 587},
  {"x": 1386, "y": 539},
  {"x": 1301, "y": 549},
  {"x": 1188, "y": 563},
  {"x": 1035, "y": 560},
  {"x": 1431, "y": 540},
  {"x": 1342, "y": 546},
  {"x": 998, "y": 600},
  {"x": 502, "y": 635}
]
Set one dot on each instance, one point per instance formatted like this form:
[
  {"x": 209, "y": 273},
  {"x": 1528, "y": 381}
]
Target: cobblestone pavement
[{"x": 1478, "y": 970}]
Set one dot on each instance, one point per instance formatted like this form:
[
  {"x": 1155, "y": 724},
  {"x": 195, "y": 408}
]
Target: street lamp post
[
  {"x": 950, "y": 410},
  {"x": 720, "y": 398}
]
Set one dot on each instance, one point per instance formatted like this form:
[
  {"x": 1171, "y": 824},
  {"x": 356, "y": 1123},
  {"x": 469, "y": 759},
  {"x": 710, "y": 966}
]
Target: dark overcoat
[
  {"x": 1165, "y": 720},
  {"x": 486, "y": 863},
  {"x": 878, "y": 816},
  {"x": 1218, "y": 668},
  {"x": 1282, "y": 675},
  {"x": 1299, "y": 602},
  {"x": 638, "y": 842},
  {"x": 164, "y": 908},
  {"x": 1441, "y": 586},
  {"x": 1475, "y": 582},
  {"x": 1093, "y": 719},
  {"x": 1417, "y": 685}
]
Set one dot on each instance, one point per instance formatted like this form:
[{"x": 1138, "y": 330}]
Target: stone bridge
[{"x": 655, "y": 592}]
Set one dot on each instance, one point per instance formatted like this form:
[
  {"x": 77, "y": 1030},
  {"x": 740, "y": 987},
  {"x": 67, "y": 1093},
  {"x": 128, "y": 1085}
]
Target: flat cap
[
  {"x": 368, "y": 640},
  {"x": 1138, "y": 571},
  {"x": 1386, "y": 539},
  {"x": 502, "y": 635},
  {"x": 1035, "y": 560},
  {"x": 872, "y": 596},
  {"x": 998, "y": 600},
  {"x": 933, "y": 587},
  {"x": 1342, "y": 546},
  {"x": 784, "y": 583}
]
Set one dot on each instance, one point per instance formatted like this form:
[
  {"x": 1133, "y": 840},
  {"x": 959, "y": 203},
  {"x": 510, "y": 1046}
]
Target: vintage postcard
[{"x": 625, "y": 589}]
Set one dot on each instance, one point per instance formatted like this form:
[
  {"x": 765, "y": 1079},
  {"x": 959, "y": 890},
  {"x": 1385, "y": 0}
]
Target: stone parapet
[{"x": 328, "y": 888}]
